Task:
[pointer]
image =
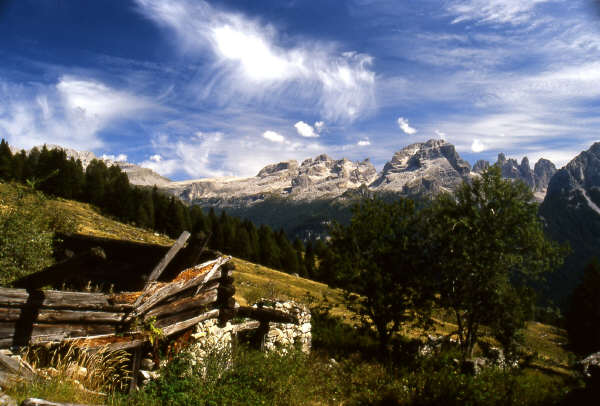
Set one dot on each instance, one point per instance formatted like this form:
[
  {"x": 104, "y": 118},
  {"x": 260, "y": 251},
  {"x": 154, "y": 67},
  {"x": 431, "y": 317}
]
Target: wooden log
[
  {"x": 110, "y": 342},
  {"x": 56, "y": 299},
  {"x": 266, "y": 315},
  {"x": 42, "y": 333},
  {"x": 42, "y": 402},
  {"x": 63, "y": 316},
  {"x": 226, "y": 291},
  {"x": 248, "y": 325},
  {"x": 60, "y": 272},
  {"x": 187, "y": 323},
  {"x": 176, "y": 287},
  {"x": 227, "y": 303},
  {"x": 160, "y": 267},
  {"x": 183, "y": 304}
]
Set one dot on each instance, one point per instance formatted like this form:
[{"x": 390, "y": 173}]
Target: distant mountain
[
  {"x": 537, "y": 179},
  {"x": 420, "y": 169},
  {"x": 571, "y": 211}
]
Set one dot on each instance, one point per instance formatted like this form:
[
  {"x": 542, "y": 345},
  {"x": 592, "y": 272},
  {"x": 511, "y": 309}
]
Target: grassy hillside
[{"x": 545, "y": 343}]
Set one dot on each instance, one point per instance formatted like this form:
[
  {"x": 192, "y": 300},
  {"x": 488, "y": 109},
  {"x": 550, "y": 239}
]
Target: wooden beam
[
  {"x": 63, "y": 316},
  {"x": 55, "y": 299},
  {"x": 185, "y": 324},
  {"x": 266, "y": 315},
  {"x": 160, "y": 267},
  {"x": 176, "y": 287},
  {"x": 181, "y": 305}
]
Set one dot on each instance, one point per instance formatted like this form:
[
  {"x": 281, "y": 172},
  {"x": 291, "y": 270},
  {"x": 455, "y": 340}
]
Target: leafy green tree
[
  {"x": 487, "y": 240},
  {"x": 583, "y": 316},
  {"x": 378, "y": 261}
]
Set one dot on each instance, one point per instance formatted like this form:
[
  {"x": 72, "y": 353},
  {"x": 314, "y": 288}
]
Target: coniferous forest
[{"x": 53, "y": 173}]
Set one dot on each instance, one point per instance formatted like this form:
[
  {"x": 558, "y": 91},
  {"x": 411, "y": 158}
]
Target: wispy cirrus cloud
[
  {"x": 70, "y": 113},
  {"x": 251, "y": 60},
  {"x": 494, "y": 11}
]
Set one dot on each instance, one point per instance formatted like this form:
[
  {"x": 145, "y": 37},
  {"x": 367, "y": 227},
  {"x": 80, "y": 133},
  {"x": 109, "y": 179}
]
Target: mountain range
[{"x": 419, "y": 169}]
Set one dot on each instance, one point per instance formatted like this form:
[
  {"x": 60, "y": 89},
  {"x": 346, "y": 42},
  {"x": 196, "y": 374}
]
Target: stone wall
[
  {"x": 283, "y": 335},
  {"x": 210, "y": 338}
]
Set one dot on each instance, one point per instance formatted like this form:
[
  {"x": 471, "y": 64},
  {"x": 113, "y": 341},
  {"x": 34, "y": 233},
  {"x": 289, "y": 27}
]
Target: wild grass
[{"x": 69, "y": 373}]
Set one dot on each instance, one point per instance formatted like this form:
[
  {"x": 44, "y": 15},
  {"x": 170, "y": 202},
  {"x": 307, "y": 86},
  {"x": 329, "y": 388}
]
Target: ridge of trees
[{"x": 108, "y": 188}]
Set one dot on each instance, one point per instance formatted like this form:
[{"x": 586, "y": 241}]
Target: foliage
[
  {"x": 26, "y": 235},
  {"x": 583, "y": 317},
  {"x": 378, "y": 259},
  {"x": 487, "y": 241}
]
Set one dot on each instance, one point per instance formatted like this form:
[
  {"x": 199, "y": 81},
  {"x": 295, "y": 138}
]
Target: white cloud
[
  {"x": 363, "y": 143},
  {"x": 251, "y": 61},
  {"x": 440, "y": 134},
  {"x": 70, "y": 113},
  {"x": 273, "y": 136},
  {"x": 477, "y": 146},
  {"x": 155, "y": 158},
  {"x": 115, "y": 158},
  {"x": 405, "y": 127},
  {"x": 494, "y": 11},
  {"x": 305, "y": 130},
  {"x": 319, "y": 126},
  {"x": 221, "y": 154}
]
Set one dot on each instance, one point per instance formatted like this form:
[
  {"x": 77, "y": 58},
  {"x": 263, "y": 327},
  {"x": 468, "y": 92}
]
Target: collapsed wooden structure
[{"x": 125, "y": 320}]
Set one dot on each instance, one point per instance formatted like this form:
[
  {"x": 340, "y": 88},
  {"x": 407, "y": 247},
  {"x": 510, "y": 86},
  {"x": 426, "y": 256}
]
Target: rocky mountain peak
[
  {"x": 289, "y": 166},
  {"x": 424, "y": 168}
]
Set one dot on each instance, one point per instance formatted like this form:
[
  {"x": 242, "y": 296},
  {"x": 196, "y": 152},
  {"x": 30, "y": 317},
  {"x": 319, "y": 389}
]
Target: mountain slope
[{"x": 571, "y": 211}]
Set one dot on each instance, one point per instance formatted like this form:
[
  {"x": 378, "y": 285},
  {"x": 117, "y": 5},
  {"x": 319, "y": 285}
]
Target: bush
[{"x": 26, "y": 234}]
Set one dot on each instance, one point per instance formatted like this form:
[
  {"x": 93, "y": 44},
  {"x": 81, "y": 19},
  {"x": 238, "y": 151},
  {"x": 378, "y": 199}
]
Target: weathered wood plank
[
  {"x": 185, "y": 324},
  {"x": 176, "y": 287},
  {"x": 61, "y": 300},
  {"x": 42, "y": 402},
  {"x": 160, "y": 267},
  {"x": 182, "y": 305},
  {"x": 41, "y": 333},
  {"x": 61, "y": 271},
  {"x": 63, "y": 316},
  {"x": 248, "y": 325}
]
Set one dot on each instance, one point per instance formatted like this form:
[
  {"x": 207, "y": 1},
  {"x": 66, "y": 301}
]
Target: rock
[
  {"x": 543, "y": 171},
  {"x": 147, "y": 364},
  {"x": 590, "y": 366},
  {"x": 480, "y": 166},
  {"x": 6, "y": 400},
  {"x": 423, "y": 169}
]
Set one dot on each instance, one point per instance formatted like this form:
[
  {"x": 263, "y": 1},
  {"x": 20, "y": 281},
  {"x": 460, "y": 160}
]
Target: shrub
[{"x": 25, "y": 235}]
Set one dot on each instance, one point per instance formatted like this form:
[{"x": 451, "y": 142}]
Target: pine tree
[
  {"x": 6, "y": 164},
  {"x": 96, "y": 175}
]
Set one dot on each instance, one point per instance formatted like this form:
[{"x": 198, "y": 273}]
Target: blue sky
[{"x": 195, "y": 88}]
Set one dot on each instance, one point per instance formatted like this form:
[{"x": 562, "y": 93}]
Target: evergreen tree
[
  {"x": 309, "y": 260},
  {"x": 6, "y": 164},
  {"x": 176, "y": 218},
  {"x": 96, "y": 176},
  {"x": 19, "y": 163},
  {"x": 269, "y": 250},
  {"x": 160, "y": 202}
]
